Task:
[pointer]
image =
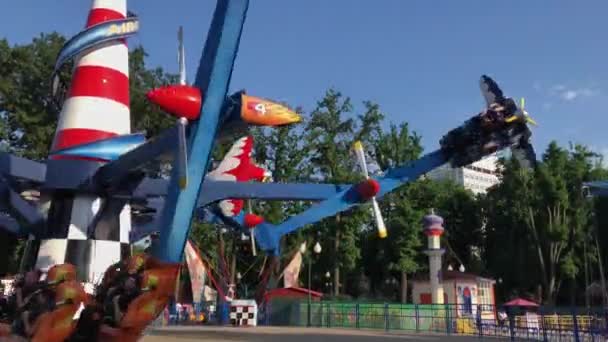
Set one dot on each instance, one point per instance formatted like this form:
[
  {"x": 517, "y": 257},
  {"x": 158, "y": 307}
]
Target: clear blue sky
[{"x": 420, "y": 60}]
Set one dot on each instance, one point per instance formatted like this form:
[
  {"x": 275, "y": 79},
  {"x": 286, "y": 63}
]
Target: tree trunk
[
  {"x": 403, "y": 287},
  {"x": 585, "y": 256},
  {"x": 601, "y": 266}
]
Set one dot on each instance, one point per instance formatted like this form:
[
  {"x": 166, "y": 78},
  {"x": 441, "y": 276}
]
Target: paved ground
[{"x": 276, "y": 334}]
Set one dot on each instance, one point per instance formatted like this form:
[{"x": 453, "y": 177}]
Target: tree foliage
[{"x": 534, "y": 230}]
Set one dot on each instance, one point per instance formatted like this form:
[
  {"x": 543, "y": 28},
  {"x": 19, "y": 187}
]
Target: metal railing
[{"x": 544, "y": 324}]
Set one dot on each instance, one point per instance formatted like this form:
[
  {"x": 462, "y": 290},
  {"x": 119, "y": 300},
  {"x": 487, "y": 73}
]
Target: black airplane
[{"x": 500, "y": 125}]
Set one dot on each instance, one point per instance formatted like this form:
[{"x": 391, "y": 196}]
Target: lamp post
[
  {"x": 239, "y": 277},
  {"x": 317, "y": 250}
]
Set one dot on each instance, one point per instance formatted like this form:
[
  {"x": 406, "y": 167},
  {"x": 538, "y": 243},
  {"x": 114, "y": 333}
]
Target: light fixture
[
  {"x": 327, "y": 274},
  {"x": 461, "y": 269},
  {"x": 317, "y": 248},
  {"x": 239, "y": 276},
  {"x": 450, "y": 268},
  {"x": 303, "y": 248}
]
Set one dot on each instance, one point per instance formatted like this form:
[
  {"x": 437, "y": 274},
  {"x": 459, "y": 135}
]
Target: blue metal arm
[
  {"x": 218, "y": 190},
  {"x": 268, "y": 236},
  {"x": 597, "y": 188},
  {"x": 213, "y": 79}
]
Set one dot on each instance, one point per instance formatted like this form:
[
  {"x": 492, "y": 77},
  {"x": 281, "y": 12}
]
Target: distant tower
[
  {"x": 90, "y": 232},
  {"x": 433, "y": 229}
]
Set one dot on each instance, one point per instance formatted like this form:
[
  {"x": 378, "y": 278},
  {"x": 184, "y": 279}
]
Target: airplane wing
[
  {"x": 237, "y": 166},
  {"x": 490, "y": 90}
]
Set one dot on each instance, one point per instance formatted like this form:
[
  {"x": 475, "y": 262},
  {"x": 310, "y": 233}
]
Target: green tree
[
  {"x": 25, "y": 96},
  {"x": 390, "y": 149},
  {"x": 330, "y": 132},
  {"x": 553, "y": 245}
]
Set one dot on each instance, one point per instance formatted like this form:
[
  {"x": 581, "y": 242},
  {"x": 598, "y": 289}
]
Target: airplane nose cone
[
  {"x": 261, "y": 112},
  {"x": 181, "y": 101},
  {"x": 252, "y": 220},
  {"x": 368, "y": 188}
]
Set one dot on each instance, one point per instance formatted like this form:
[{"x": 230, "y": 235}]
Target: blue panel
[
  {"x": 107, "y": 149},
  {"x": 94, "y": 36},
  {"x": 213, "y": 78}
]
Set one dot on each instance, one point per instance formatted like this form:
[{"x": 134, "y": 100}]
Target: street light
[{"x": 317, "y": 250}]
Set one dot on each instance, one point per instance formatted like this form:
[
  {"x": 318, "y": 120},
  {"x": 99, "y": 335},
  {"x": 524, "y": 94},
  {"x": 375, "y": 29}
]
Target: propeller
[
  {"x": 521, "y": 114},
  {"x": 360, "y": 154},
  {"x": 181, "y": 56}
]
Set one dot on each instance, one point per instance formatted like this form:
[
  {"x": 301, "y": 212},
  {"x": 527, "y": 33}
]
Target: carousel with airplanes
[{"x": 81, "y": 282}]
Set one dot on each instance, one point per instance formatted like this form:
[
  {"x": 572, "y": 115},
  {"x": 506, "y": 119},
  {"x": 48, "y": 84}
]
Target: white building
[
  {"x": 477, "y": 177},
  {"x": 465, "y": 291}
]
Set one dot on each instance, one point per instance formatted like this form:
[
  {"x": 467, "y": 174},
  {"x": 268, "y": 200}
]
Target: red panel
[
  {"x": 100, "y": 82},
  {"x": 426, "y": 298},
  {"x": 77, "y": 136},
  {"x": 100, "y": 15}
]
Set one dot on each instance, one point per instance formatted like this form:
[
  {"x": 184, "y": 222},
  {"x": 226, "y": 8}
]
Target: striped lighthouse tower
[
  {"x": 90, "y": 232},
  {"x": 433, "y": 229}
]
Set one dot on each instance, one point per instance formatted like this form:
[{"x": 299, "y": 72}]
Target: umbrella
[{"x": 521, "y": 302}]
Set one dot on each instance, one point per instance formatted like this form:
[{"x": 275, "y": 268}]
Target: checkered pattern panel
[
  {"x": 88, "y": 232},
  {"x": 243, "y": 315}
]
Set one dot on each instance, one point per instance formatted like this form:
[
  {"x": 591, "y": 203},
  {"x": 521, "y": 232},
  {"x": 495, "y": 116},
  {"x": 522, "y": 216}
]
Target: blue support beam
[
  {"x": 11, "y": 225},
  {"x": 24, "y": 209},
  {"x": 22, "y": 168},
  {"x": 213, "y": 79}
]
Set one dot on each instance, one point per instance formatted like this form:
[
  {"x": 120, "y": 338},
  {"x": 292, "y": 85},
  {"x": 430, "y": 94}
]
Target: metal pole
[{"x": 309, "y": 275}]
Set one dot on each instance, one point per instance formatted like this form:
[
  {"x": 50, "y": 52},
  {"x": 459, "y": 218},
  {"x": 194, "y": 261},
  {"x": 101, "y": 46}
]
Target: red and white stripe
[{"x": 97, "y": 103}]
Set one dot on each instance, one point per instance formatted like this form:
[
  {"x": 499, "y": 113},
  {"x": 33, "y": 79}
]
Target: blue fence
[{"x": 544, "y": 324}]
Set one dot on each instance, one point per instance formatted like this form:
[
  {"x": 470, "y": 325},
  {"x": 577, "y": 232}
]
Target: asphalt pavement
[{"x": 288, "y": 334}]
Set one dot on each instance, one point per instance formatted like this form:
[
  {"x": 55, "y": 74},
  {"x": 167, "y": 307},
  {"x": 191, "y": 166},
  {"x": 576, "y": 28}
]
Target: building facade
[{"x": 477, "y": 177}]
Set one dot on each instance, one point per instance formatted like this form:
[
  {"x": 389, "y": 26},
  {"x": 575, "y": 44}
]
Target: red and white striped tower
[{"x": 96, "y": 108}]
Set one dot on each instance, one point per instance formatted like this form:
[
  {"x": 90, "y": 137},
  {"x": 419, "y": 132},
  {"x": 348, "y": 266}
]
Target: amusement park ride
[{"x": 79, "y": 229}]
